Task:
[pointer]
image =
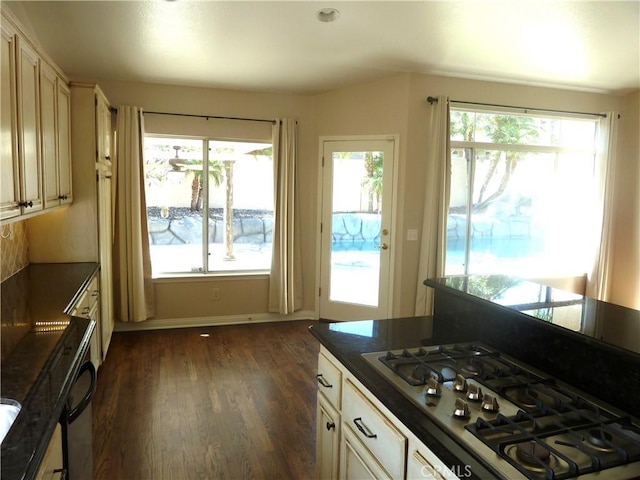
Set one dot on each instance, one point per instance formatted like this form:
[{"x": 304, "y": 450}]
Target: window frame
[
  {"x": 474, "y": 147},
  {"x": 206, "y": 271}
]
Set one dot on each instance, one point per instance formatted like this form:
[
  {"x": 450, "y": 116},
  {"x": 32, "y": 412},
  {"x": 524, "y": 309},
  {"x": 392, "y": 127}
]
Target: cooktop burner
[{"x": 521, "y": 421}]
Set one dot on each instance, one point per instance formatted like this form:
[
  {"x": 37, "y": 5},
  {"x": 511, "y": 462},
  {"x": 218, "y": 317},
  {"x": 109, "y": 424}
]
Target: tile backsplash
[{"x": 14, "y": 249}]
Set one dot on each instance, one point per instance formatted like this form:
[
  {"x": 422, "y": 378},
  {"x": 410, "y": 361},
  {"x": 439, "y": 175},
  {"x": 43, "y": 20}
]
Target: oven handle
[{"x": 74, "y": 413}]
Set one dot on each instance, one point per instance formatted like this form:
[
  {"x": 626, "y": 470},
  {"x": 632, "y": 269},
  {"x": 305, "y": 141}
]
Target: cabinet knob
[
  {"x": 26, "y": 204},
  {"x": 331, "y": 425},
  {"x": 62, "y": 197}
]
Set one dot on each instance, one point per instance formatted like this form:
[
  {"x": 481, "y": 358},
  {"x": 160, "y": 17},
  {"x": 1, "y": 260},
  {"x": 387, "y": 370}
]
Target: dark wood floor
[{"x": 238, "y": 404}]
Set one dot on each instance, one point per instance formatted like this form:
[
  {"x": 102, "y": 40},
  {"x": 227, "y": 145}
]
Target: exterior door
[{"x": 356, "y": 252}]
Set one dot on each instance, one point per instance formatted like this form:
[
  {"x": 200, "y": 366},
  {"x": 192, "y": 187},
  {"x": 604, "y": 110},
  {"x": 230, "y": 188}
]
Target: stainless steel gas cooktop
[{"x": 522, "y": 422}]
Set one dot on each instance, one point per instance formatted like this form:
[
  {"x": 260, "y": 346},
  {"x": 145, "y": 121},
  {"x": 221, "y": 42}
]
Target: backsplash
[{"x": 14, "y": 249}]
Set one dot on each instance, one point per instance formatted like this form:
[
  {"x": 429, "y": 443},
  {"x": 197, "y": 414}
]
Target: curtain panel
[
  {"x": 436, "y": 204},
  {"x": 134, "y": 295},
  {"x": 601, "y": 276},
  {"x": 285, "y": 280}
]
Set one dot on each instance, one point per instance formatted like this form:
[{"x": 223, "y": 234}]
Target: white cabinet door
[
  {"x": 103, "y": 129},
  {"x": 64, "y": 142},
  {"x": 374, "y": 430},
  {"x": 328, "y": 440},
  {"x": 48, "y": 135},
  {"x": 357, "y": 463},
  {"x": 9, "y": 163},
  {"x": 28, "y": 129}
]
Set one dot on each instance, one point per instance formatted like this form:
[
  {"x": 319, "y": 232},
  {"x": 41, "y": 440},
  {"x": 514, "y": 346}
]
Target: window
[
  {"x": 523, "y": 194},
  {"x": 229, "y": 183}
]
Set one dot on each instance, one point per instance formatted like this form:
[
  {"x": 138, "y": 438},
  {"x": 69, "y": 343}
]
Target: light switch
[{"x": 412, "y": 235}]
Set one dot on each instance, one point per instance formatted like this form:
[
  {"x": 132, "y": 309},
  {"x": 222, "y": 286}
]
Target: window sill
[{"x": 204, "y": 277}]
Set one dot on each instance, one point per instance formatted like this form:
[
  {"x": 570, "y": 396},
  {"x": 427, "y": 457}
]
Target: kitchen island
[
  {"x": 42, "y": 351},
  {"x": 563, "y": 334}
]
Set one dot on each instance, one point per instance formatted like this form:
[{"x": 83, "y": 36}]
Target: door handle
[{"x": 384, "y": 246}]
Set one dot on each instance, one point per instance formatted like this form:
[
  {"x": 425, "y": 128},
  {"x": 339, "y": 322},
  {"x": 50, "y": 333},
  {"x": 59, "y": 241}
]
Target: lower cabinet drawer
[
  {"x": 385, "y": 442},
  {"x": 329, "y": 380}
]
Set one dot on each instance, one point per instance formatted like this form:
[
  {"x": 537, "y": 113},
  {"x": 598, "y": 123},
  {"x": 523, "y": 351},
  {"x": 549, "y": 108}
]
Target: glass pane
[
  {"x": 240, "y": 205},
  {"x": 529, "y": 213},
  {"x": 355, "y": 227},
  {"x": 173, "y": 169},
  {"x": 523, "y": 129},
  {"x": 455, "y": 259}
]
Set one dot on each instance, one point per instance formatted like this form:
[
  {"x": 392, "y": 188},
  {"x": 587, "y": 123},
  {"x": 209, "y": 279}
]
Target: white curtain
[
  {"x": 436, "y": 204},
  {"x": 134, "y": 296},
  {"x": 599, "y": 281},
  {"x": 285, "y": 281}
]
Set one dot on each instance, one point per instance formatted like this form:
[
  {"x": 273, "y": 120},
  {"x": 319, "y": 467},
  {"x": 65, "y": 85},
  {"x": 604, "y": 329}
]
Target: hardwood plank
[{"x": 240, "y": 403}]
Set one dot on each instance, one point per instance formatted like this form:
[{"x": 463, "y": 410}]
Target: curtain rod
[
  {"x": 210, "y": 116},
  {"x": 433, "y": 100}
]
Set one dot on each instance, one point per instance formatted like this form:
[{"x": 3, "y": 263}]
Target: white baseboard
[{"x": 165, "y": 323}]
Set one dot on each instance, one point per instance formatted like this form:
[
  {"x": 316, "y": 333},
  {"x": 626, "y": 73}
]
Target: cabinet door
[
  {"x": 418, "y": 468},
  {"x": 357, "y": 462},
  {"x": 48, "y": 135},
  {"x": 51, "y": 465},
  {"x": 28, "y": 128},
  {"x": 10, "y": 177},
  {"x": 328, "y": 440},
  {"x": 64, "y": 142},
  {"x": 105, "y": 236},
  {"x": 374, "y": 430},
  {"x": 103, "y": 130}
]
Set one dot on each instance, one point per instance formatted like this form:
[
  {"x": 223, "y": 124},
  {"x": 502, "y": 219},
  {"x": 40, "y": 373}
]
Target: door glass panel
[{"x": 355, "y": 227}]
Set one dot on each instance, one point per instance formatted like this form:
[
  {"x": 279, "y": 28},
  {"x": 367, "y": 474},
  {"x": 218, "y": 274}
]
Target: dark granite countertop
[
  {"x": 348, "y": 340},
  {"x": 612, "y": 324},
  {"x": 42, "y": 350}
]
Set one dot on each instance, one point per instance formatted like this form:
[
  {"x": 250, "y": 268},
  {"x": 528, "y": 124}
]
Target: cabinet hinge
[
  {"x": 319, "y": 291},
  {"x": 323, "y": 161},
  {"x": 320, "y": 227}
]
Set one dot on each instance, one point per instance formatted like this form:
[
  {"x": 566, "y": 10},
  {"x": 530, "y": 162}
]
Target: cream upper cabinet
[
  {"x": 48, "y": 92},
  {"x": 36, "y": 141},
  {"x": 28, "y": 128},
  {"x": 64, "y": 142},
  {"x": 10, "y": 176},
  {"x": 103, "y": 129},
  {"x": 55, "y": 137}
]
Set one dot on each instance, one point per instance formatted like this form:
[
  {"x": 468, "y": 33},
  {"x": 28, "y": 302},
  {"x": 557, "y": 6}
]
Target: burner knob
[
  {"x": 461, "y": 409},
  {"x": 460, "y": 383},
  {"x": 432, "y": 388},
  {"x": 474, "y": 393},
  {"x": 490, "y": 403}
]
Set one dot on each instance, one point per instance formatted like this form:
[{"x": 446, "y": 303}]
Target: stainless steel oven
[{"x": 521, "y": 421}]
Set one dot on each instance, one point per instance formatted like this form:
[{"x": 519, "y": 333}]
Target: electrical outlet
[{"x": 215, "y": 293}]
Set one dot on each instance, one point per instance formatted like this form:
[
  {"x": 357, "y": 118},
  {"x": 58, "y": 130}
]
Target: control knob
[
  {"x": 490, "y": 403},
  {"x": 461, "y": 409},
  {"x": 460, "y": 383},
  {"x": 432, "y": 388},
  {"x": 474, "y": 393}
]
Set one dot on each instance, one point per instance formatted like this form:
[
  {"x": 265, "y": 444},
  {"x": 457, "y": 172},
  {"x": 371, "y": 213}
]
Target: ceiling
[{"x": 281, "y": 46}]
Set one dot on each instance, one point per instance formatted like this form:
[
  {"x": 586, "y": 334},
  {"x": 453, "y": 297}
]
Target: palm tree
[
  {"x": 501, "y": 129},
  {"x": 216, "y": 175},
  {"x": 373, "y": 181}
]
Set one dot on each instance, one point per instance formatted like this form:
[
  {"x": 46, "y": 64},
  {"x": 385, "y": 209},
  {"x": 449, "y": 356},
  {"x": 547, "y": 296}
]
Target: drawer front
[
  {"x": 329, "y": 381},
  {"x": 93, "y": 291},
  {"x": 387, "y": 444}
]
